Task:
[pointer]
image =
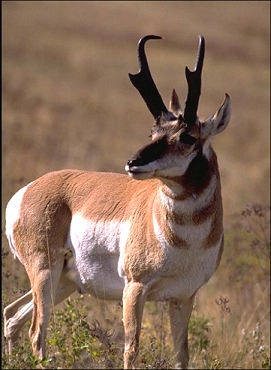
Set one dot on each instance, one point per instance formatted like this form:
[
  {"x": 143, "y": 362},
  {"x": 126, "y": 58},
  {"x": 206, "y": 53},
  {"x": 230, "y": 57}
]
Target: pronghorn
[{"x": 155, "y": 235}]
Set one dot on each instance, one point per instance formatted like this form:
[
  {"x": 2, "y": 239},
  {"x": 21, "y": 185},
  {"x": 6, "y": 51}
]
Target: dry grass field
[{"x": 67, "y": 102}]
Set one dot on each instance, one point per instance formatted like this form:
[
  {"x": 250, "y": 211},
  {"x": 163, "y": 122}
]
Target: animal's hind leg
[
  {"x": 44, "y": 282},
  {"x": 20, "y": 311},
  {"x": 12, "y": 308},
  {"x": 15, "y": 316}
]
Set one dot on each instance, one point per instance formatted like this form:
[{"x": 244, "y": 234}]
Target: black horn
[
  {"x": 194, "y": 85},
  {"x": 144, "y": 83}
]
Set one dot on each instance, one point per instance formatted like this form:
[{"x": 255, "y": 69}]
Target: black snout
[{"x": 149, "y": 153}]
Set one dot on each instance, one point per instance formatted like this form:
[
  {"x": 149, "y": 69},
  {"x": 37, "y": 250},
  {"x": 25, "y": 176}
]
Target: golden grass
[{"x": 68, "y": 103}]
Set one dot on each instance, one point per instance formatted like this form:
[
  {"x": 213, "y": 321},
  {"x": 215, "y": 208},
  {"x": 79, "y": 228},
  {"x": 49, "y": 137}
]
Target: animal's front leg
[
  {"x": 134, "y": 297},
  {"x": 179, "y": 314}
]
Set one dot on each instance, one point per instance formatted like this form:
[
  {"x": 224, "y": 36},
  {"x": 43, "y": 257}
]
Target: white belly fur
[{"x": 96, "y": 250}]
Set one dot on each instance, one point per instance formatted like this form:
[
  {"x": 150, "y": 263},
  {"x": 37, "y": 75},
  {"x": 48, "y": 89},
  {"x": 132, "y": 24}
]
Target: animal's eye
[{"x": 185, "y": 138}]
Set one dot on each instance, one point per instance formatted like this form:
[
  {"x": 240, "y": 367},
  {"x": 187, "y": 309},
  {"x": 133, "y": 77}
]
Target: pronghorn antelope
[{"x": 155, "y": 235}]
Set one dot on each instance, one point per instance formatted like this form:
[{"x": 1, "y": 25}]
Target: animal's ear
[{"x": 219, "y": 121}]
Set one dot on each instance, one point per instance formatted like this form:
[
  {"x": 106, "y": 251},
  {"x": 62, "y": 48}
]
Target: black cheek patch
[
  {"x": 198, "y": 174},
  {"x": 149, "y": 153}
]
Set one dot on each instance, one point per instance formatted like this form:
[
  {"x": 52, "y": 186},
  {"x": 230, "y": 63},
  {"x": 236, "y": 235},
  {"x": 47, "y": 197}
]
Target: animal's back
[{"x": 40, "y": 213}]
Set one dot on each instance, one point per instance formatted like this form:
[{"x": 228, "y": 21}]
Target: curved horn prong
[
  {"x": 144, "y": 83},
  {"x": 194, "y": 85}
]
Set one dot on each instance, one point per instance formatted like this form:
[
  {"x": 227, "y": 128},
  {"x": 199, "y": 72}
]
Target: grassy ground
[{"x": 68, "y": 103}]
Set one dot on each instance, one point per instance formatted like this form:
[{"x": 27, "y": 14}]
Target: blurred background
[{"x": 67, "y": 101}]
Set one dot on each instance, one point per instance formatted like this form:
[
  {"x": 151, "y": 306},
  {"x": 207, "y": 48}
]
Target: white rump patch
[{"x": 12, "y": 216}]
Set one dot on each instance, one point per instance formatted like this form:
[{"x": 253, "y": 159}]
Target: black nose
[{"x": 135, "y": 161}]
